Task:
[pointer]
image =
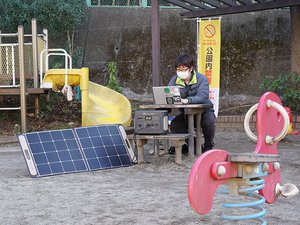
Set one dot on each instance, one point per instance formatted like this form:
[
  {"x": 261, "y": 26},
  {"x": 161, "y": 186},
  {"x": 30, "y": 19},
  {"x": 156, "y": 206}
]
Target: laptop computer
[{"x": 166, "y": 95}]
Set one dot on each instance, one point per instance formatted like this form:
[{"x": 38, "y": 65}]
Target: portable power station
[{"x": 151, "y": 121}]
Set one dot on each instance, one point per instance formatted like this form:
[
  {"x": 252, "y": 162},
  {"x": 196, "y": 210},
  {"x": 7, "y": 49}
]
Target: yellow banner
[{"x": 209, "y": 53}]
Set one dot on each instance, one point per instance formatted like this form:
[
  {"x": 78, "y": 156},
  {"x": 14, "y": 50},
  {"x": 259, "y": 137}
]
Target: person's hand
[{"x": 184, "y": 101}]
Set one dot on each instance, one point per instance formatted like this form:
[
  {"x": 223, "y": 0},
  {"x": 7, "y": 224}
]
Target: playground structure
[
  {"x": 100, "y": 105},
  {"x": 243, "y": 173},
  {"x": 15, "y": 70}
]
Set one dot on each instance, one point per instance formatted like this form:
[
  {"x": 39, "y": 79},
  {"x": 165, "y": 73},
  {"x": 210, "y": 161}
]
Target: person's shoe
[
  {"x": 206, "y": 147},
  {"x": 184, "y": 150},
  {"x": 172, "y": 150}
]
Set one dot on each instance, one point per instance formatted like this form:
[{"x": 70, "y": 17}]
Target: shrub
[
  {"x": 287, "y": 87},
  {"x": 113, "y": 81}
]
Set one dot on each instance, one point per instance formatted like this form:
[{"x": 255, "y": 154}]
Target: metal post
[
  {"x": 34, "y": 52},
  {"x": 1, "y": 97},
  {"x": 35, "y": 63},
  {"x": 22, "y": 79},
  {"x": 45, "y": 32},
  {"x": 155, "y": 31}
]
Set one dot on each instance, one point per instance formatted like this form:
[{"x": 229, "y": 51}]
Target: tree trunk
[{"x": 295, "y": 38}]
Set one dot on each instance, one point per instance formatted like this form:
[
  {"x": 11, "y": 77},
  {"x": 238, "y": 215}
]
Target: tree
[
  {"x": 61, "y": 17},
  {"x": 13, "y": 13}
]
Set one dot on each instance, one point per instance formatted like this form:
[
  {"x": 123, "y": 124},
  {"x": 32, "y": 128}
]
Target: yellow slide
[{"x": 100, "y": 105}]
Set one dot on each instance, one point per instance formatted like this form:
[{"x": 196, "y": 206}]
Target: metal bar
[
  {"x": 45, "y": 32},
  {"x": 9, "y": 45},
  {"x": 6, "y": 54},
  {"x": 9, "y": 86},
  {"x": 66, "y": 70},
  {"x": 16, "y": 108},
  {"x": 9, "y": 35},
  {"x": 155, "y": 31},
  {"x": 13, "y": 65},
  {"x": 34, "y": 53},
  {"x": 241, "y": 8},
  {"x": 35, "y": 63},
  {"x": 22, "y": 79},
  {"x": 66, "y": 55},
  {"x": 1, "y": 61},
  {"x": 41, "y": 66}
]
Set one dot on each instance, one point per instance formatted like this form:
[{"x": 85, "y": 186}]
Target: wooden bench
[{"x": 176, "y": 140}]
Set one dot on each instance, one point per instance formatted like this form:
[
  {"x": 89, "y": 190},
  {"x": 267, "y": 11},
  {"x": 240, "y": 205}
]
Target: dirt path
[{"x": 152, "y": 193}]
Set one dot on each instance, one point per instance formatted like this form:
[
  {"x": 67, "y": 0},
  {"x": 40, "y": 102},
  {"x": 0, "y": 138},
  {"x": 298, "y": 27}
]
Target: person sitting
[{"x": 195, "y": 91}]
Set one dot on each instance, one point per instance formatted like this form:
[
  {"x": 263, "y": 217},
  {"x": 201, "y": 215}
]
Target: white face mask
[{"x": 183, "y": 75}]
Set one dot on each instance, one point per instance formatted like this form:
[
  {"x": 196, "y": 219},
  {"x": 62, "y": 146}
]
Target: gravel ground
[{"x": 150, "y": 193}]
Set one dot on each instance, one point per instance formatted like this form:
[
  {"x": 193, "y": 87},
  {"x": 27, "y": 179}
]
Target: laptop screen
[{"x": 167, "y": 94}]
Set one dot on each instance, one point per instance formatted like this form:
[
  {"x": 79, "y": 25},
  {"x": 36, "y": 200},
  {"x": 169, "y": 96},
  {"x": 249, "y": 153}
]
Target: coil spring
[{"x": 254, "y": 186}]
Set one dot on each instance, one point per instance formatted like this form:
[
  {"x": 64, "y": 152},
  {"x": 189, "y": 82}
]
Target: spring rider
[{"x": 255, "y": 175}]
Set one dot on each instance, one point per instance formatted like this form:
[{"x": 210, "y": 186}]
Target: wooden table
[{"x": 191, "y": 110}]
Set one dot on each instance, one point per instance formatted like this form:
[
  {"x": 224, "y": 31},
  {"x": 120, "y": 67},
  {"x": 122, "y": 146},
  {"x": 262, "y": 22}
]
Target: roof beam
[
  {"x": 198, "y": 4},
  {"x": 229, "y": 2},
  {"x": 214, "y": 3},
  {"x": 245, "y": 2},
  {"x": 182, "y": 4},
  {"x": 242, "y": 8}
]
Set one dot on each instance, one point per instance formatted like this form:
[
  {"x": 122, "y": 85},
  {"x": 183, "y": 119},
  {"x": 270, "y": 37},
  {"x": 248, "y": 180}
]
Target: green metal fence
[{"x": 125, "y": 3}]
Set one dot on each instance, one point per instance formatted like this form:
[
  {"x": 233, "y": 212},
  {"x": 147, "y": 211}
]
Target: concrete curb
[{"x": 4, "y": 140}]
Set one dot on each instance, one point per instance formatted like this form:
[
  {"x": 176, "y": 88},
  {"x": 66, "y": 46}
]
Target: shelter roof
[{"x": 210, "y": 8}]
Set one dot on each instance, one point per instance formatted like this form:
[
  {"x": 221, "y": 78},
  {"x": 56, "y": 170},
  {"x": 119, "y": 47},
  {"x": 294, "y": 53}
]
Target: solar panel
[
  {"x": 82, "y": 149},
  {"x": 104, "y": 147},
  {"x": 52, "y": 152}
]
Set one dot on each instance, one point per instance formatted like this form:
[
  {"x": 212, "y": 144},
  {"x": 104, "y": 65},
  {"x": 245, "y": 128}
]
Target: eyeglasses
[{"x": 182, "y": 69}]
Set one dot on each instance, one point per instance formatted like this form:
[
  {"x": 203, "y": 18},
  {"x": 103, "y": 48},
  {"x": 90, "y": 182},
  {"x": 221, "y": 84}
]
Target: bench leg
[
  {"x": 191, "y": 138},
  {"x": 132, "y": 144},
  {"x": 198, "y": 134},
  {"x": 156, "y": 147},
  {"x": 166, "y": 147},
  {"x": 140, "y": 149},
  {"x": 178, "y": 154}
]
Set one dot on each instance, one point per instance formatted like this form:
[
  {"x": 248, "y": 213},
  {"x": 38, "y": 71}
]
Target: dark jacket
[{"x": 197, "y": 91}]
